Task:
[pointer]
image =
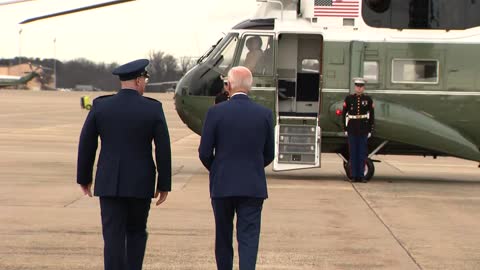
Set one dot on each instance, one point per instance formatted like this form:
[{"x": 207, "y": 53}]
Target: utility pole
[
  {"x": 19, "y": 46},
  {"x": 55, "y": 63},
  {"x": 19, "y": 53}
]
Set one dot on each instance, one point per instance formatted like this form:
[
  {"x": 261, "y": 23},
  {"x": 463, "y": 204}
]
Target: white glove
[
  {"x": 346, "y": 133},
  {"x": 369, "y": 134}
]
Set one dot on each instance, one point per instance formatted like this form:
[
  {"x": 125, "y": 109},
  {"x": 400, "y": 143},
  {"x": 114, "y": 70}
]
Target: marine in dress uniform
[
  {"x": 358, "y": 119},
  {"x": 127, "y": 123}
]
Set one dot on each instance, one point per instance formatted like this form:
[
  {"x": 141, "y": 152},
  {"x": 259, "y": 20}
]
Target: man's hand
[
  {"x": 163, "y": 197},
  {"x": 369, "y": 134},
  {"x": 87, "y": 189},
  {"x": 346, "y": 133}
]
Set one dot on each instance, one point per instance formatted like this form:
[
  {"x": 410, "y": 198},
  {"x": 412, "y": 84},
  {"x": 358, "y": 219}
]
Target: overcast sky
[{"x": 118, "y": 33}]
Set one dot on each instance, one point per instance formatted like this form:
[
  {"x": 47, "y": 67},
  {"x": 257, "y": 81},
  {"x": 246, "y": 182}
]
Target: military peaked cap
[
  {"x": 359, "y": 80},
  {"x": 132, "y": 70}
]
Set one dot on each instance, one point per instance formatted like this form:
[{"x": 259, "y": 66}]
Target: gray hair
[{"x": 240, "y": 78}]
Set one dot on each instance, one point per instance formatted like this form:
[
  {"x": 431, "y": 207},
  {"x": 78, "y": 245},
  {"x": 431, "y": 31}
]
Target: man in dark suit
[
  {"x": 237, "y": 143},
  {"x": 127, "y": 123}
]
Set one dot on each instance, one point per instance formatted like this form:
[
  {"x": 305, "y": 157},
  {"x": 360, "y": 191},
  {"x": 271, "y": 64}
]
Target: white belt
[{"x": 360, "y": 116}]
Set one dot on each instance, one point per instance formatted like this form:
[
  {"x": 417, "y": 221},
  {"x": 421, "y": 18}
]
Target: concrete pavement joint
[
  {"x": 387, "y": 227},
  {"x": 393, "y": 166},
  {"x": 177, "y": 171},
  {"x": 183, "y": 138},
  {"x": 74, "y": 201},
  {"x": 381, "y": 220}
]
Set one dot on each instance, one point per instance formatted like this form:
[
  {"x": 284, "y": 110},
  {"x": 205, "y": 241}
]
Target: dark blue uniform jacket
[
  {"x": 359, "y": 105},
  {"x": 126, "y": 123},
  {"x": 237, "y": 143}
]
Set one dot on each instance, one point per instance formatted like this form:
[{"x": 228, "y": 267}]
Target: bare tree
[
  {"x": 156, "y": 67},
  {"x": 186, "y": 63},
  {"x": 163, "y": 67},
  {"x": 171, "y": 68}
]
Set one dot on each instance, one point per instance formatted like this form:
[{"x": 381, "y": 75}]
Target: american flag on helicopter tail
[{"x": 336, "y": 8}]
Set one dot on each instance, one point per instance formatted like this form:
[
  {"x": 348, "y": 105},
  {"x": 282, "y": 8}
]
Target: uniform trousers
[
  {"x": 124, "y": 226},
  {"x": 357, "y": 147},
  {"x": 249, "y": 211}
]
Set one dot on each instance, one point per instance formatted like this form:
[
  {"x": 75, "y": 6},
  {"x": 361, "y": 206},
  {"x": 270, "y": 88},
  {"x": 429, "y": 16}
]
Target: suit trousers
[
  {"x": 124, "y": 226},
  {"x": 357, "y": 145},
  {"x": 249, "y": 211}
]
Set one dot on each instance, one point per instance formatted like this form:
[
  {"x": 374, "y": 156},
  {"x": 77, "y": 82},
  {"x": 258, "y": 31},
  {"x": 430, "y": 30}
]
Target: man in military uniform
[
  {"x": 127, "y": 123},
  {"x": 358, "y": 119}
]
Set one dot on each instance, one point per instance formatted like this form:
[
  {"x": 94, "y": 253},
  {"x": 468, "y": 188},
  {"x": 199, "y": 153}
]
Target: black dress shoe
[{"x": 363, "y": 180}]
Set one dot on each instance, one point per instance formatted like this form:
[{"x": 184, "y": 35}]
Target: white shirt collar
[{"x": 239, "y": 93}]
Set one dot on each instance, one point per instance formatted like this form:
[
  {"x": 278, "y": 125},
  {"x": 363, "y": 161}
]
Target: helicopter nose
[{"x": 179, "y": 105}]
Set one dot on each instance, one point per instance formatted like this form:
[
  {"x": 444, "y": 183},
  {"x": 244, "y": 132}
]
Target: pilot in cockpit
[{"x": 254, "y": 45}]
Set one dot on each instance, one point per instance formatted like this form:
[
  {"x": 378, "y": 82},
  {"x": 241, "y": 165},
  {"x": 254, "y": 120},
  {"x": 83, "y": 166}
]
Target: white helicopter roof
[{"x": 345, "y": 24}]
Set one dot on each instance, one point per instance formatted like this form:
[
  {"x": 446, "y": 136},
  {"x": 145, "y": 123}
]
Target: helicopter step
[{"x": 297, "y": 144}]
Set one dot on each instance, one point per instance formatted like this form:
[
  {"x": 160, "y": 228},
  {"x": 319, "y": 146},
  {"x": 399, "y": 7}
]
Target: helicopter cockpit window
[
  {"x": 223, "y": 58},
  {"x": 370, "y": 71},
  {"x": 257, "y": 54},
  {"x": 415, "y": 71},
  {"x": 210, "y": 50},
  {"x": 209, "y": 73}
]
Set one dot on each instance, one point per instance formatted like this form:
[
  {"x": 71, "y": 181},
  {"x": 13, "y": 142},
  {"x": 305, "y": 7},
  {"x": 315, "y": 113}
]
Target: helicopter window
[
  {"x": 421, "y": 14},
  {"x": 378, "y": 5},
  {"x": 214, "y": 50},
  {"x": 210, "y": 50},
  {"x": 223, "y": 58},
  {"x": 310, "y": 66},
  {"x": 257, "y": 54},
  {"x": 208, "y": 75},
  {"x": 370, "y": 71},
  {"x": 415, "y": 71}
]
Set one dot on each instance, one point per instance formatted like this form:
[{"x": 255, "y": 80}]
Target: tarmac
[{"x": 417, "y": 213}]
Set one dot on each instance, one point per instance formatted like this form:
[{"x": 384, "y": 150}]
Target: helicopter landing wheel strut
[
  {"x": 369, "y": 166},
  {"x": 368, "y": 172}
]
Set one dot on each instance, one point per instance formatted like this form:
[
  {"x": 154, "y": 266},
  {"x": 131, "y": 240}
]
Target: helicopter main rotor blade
[
  {"x": 4, "y": 3},
  {"x": 75, "y": 10}
]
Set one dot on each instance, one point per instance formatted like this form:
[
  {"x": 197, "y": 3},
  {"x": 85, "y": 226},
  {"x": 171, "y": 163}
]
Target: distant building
[
  {"x": 86, "y": 87},
  {"x": 83, "y": 87}
]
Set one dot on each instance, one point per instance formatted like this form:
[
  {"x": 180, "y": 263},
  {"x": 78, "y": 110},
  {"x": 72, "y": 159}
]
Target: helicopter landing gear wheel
[
  {"x": 369, "y": 169},
  {"x": 368, "y": 173}
]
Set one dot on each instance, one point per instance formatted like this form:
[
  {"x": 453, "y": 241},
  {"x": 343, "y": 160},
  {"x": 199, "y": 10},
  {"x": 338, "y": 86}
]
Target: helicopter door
[{"x": 297, "y": 130}]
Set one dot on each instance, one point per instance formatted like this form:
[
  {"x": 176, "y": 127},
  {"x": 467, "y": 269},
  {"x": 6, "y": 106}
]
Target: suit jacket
[
  {"x": 126, "y": 123},
  {"x": 237, "y": 143}
]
